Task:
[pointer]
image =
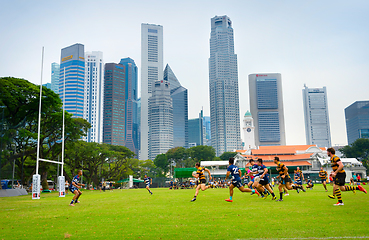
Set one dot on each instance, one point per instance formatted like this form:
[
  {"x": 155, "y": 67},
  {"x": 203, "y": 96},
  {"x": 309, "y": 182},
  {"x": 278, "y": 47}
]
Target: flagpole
[{"x": 39, "y": 116}]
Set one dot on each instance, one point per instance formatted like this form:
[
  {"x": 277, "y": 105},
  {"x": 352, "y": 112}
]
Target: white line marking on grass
[{"x": 360, "y": 237}]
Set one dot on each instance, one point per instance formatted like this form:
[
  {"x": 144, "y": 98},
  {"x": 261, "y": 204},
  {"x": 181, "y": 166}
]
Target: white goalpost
[{"x": 36, "y": 180}]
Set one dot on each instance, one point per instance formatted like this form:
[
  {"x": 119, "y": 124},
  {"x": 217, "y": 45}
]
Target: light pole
[{"x": 1, "y": 139}]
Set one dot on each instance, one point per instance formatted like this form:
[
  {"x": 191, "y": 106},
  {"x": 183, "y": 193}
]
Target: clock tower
[{"x": 248, "y": 131}]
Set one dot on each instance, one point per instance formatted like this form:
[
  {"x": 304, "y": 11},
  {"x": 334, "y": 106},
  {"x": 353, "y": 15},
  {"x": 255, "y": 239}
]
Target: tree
[
  {"x": 227, "y": 155},
  {"x": 177, "y": 154},
  {"x": 358, "y": 149},
  {"x": 202, "y": 153},
  {"x": 161, "y": 161}
]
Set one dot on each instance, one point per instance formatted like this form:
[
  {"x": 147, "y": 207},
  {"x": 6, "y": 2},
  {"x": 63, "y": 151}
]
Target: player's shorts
[
  {"x": 285, "y": 180},
  {"x": 323, "y": 180},
  {"x": 202, "y": 181},
  {"x": 236, "y": 183},
  {"x": 147, "y": 184},
  {"x": 339, "y": 179},
  {"x": 72, "y": 189},
  {"x": 264, "y": 181},
  {"x": 299, "y": 182}
]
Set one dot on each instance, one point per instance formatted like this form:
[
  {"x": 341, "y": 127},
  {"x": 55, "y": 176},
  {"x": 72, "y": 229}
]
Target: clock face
[{"x": 248, "y": 129}]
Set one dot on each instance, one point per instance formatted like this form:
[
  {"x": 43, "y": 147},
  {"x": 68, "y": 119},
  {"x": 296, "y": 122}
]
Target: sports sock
[
  {"x": 265, "y": 191},
  {"x": 71, "y": 202},
  {"x": 230, "y": 197},
  {"x": 281, "y": 195},
  {"x": 337, "y": 192},
  {"x": 253, "y": 191},
  {"x": 272, "y": 194},
  {"x": 351, "y": 188}
]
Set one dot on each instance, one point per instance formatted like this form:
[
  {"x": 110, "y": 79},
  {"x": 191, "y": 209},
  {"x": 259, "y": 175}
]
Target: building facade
[
  {"x": 151, "y": 71},
  {"x": 266, "y": 107},
  {"x": 114, "y": 104},
  {"x": 160, "y": 119},
  {"x": 131, "y": 97},
  {"x": 223, "y": 87},
  {"x": 357, "y": 121},
  {"x": 72, "y": 69},
  {"x": 196, "y": 131},
  {"x": 317, "y": 128},
  {"x": 94, "y": 95},
  {"x": 248, "y": 131},
  {"x": 180, "y": 108},
  {"x": 55, "y": 75}
]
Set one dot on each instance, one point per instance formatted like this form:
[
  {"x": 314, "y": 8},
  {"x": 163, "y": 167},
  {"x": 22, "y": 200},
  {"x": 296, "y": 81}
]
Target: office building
[
  {"x": 266, "y": 107},
  {"x": 114, "y": 104},
  {"x": 357, "y": 121},
  {"x": 207, "y": 126},
  {"x": 131, "y": 96},
  {"x": 317, "y": 128},
  {"x": 151, "y": 71},
  {"x": 223, "y": 84},
  {"x": 196, "y": 131},
  {"x": 94, "y": 95},
  {"x": 160, "y": 119},
  {"x": 72, "y": 68},
  {"x": 55, "y": 72},
  {"x": 180, "y": 108}
]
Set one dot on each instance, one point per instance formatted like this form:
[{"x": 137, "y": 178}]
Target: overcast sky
[{"x": 317, "y": 43}]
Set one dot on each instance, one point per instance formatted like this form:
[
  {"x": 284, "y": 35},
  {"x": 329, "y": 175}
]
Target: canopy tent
[
  {"x": 345, "y": 161},
  {"x": 183, "y": 172},
  {"x": 214, "y": 163},
  {"x": 135, "y": 180}
]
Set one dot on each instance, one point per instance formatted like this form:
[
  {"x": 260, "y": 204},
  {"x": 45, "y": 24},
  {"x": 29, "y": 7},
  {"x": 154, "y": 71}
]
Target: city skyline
[{"x": 317, "y": 43}]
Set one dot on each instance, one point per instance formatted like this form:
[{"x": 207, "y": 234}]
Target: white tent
[{"x": 345, "y": 161}]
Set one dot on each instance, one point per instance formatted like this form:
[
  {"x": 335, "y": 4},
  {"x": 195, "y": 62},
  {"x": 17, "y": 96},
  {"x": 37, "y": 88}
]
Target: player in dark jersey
[
  {"x": 253, "y": 169},
  {"x": 235, "y": 172},
  {"x": 148, "y": 182},
  {"x": 74, "y": 188},
  {"x": 285, "y": 179},
  {"x": 200, "y": 174},
  {"x": 297, "y": 179},
  {"x": 261, "y": 181},
  {"x": 323, "y": 177},
  {"x": 339, "y": 175},
  {"x": 309, "y": 184}
]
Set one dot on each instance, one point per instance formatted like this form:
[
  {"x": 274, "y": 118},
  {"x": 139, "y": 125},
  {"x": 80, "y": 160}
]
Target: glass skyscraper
[
  {"x": 131, "y": 96},
  {"x": 357, "y": 121},
  {"x": 223, "y": 87},
  {"x": 266, "y": 105},
  {"x": 160, "y": 119},
  {"x": 72, "y": 66},
  {"x": 55, "y": 72},
  {"x": 196, "y": 131},
  {"x": 317, "y": 127},
  {"x": 114, "y": 104},
  {"x": 180, "y": 109},
  {"x": 151, "y": 71},
  {"x": 94, "y": 96}
]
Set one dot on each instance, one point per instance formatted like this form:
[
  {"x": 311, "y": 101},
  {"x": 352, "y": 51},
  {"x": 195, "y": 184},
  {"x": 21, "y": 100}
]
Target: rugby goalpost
[{"x": 36, "y": 180}]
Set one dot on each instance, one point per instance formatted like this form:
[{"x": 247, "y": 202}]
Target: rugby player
[
  {"x": 148, "y": 182},
  {"x": 261, "y": 182},
  {"x": 323, "y": 178},
  {"x": 74, "y": 188},
  {"x": 338, "y": 174},
  {"x": 310, "y": 184},
  {"x": 235, "y": 172},
  {"x": 297, "y": 178},
  {"x": 201, "y": 182}
]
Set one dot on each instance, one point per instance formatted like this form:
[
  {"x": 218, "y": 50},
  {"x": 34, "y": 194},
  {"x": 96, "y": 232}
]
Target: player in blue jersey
[
  {"x": 297, "y": 180},
  {"x": 74, "y": 188},
  {"x": 148, "y": 182},
  {"x": 262, "y": 180},
  {"x": 235, "y": 172}
]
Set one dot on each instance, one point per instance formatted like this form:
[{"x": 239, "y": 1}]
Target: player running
[
  {"x": 74, "y": 188},
  {"x": 285, "y": 179},
  {"x": 201, "y": 182},
  {"x": 339, "y": 176},
  {"x": 323, "y": 177},
  {"x": 236, "y": 174},
  {"x": 297, "y": 179},
  {"x": 261, "y": 182},
  {"x": 148, "y": 182}
]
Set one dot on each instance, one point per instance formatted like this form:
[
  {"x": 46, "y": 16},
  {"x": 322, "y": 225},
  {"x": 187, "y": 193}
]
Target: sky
[{"x": 317, "y": 43}]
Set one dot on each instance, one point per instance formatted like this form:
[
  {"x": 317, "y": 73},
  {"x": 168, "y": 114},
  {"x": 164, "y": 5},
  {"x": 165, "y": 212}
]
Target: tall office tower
[
  {"x": 223, "y": 84},
  {"x": 55, "y": 72},
  {"x": 196, "y": 131},
  {"x": 266, "y": 106},
  {"x": 357, "y": 121},
  {"x": 139, "y": 125},
  {"x": 94, "y": 96},
  {"x": 180, "y": 109},
  {"x": 248, "y": 131},
  {"x": 151, "y": 71},
  {"x": 131, "y": 124},
  {"x": 114, "y": 104},
  {"x": 317, "y": 128},
  {"x": 72, "y": 59},
  {"x": 160, "y": 119}
]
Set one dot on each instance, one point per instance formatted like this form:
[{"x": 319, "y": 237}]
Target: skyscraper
[
  {"x": 223, "y": 84},
  {"x": 131, "y": 114},
  {"x": 196, "y": 131},
  {"x": 357, "y": 121},
  {"x": 94, "y": 96},
  {"x": 207, "y": 126},
  {"x": 266, "y": 107},
  {"x": 55, "y": 72},
  {"x": 72, "y": 59},
  {"x": 160, "y": 119},
  {"x": 180, "y": 109},
  {"x": 151, "y": 71},
  {"x": 317, "y": 128},
  {"x": 114, "y": 104}
]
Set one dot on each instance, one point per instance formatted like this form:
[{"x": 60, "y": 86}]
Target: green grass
[{"x": 169, "y": 214}]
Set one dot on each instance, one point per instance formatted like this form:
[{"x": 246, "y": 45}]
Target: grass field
[{"x": 169, "y": 214}]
